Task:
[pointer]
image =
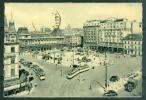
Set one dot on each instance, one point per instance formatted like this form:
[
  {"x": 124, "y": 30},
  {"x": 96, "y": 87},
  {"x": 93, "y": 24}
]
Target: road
[{"x": 85, "y": 84}]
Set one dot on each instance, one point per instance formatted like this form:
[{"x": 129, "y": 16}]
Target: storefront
[{"x": 14, "y": 86}]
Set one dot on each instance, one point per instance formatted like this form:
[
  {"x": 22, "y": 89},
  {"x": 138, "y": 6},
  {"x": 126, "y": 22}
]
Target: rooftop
[
  {"x": 134, "y": 37},
  {"x": 23, "y": 30}
]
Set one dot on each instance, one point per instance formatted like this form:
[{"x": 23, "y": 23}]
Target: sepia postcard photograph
[{"x": 72, "y": 50}]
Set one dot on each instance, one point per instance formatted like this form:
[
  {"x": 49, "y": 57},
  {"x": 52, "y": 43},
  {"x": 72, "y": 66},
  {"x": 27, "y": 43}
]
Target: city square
[
  {"x": 92, "y": 54},
  {"x": 85, "y": 84}
]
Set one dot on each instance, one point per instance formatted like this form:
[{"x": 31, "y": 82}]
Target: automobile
[
  {"x": 114, "y": 78},
  {"x": 110, "y": 93},
  {"x": 130, "y": 85}
]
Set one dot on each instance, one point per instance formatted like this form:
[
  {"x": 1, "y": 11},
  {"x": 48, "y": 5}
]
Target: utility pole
[
  {"x": 73, "y": 56},
  {"x": 105, "y": 71}
]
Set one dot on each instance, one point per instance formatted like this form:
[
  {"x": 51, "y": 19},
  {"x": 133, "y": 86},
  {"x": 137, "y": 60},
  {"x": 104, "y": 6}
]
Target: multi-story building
[
  {"x": 11, "y": 59},
  {"x": 133, "y": 44},
  {"x": 73, "y": 40},
  {"x": 107, "y": 34},
  {"x": 38, "y": 41}
]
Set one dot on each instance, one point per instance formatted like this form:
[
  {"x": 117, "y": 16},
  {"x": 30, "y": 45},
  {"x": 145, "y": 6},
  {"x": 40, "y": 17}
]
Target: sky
[{"x": 75, "y": 14}]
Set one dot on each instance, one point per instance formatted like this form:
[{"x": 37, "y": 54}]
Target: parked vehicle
[
  {"x": 114, "y": 78},
  {"x": 130, "y": 85},
  {"x": 110, "y": 93}
]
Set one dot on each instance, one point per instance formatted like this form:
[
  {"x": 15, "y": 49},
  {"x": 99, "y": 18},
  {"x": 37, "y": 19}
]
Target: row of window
[
  {"x": 133, "y": 42},
  {"x": 106, "y": 33},
  {"x": 106, "y": 24},
  {"x": 133, "y": 47}
]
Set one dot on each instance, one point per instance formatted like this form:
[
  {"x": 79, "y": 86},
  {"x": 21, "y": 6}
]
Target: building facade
[
  {"x": 11, "y": 59},
  {"x": 73, "y": 40},
  {"x": 133, "y": 44},
  {"x": 38, "y": 41},
  {"x": 107, "y": 34}
]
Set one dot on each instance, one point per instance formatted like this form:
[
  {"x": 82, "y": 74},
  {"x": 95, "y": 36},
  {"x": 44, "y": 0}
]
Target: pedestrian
[
  {"x": 26, "y": 86},
  {"x": 90, "y": 87},
  {"x": 29, "y": 87},
  {"x": 35, "y": 84}
]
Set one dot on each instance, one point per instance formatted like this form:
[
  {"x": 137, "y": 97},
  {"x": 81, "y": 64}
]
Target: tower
[{"x": 57, "y": 18}]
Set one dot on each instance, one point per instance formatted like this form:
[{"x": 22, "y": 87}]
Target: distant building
[
  {"x": 23, "y": 33},
  {"x": 133, "y": 44},
  {"x": 73, "y": 40},
  {"x": 45, "y": 30},
  {"x": 12, "y": 80},
  {"x": 107, "y": 34}
]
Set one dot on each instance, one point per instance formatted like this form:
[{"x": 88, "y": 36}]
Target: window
[
  {"x": 12, "y": 49},
  {"x": 12, "y": 72},
  {"x": 12, "y": 60}
]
